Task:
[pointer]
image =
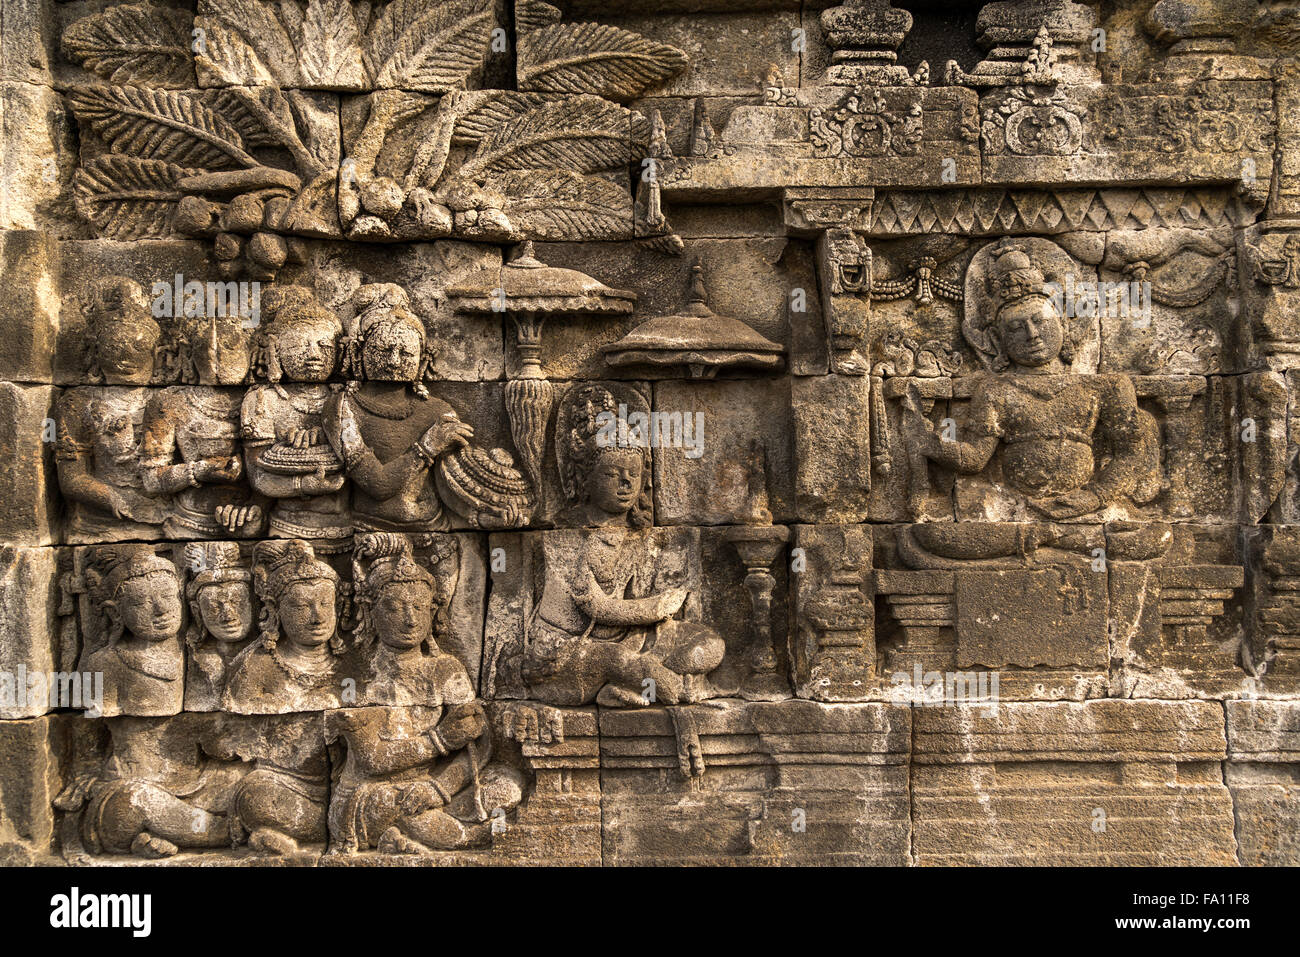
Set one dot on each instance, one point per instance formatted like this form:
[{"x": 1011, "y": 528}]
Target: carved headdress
[
  {"x": 585, "y": 430},
  {"x": 214, "y": 563},
  {"x": 1014, "y": 277},
  {"x": 118, "y": 314},
  {"x": 1011, "y": 271},
  {"x": 210, "y": 563},
  {"x": 386, "y": 558},
  {"x": 279, "y": 563},
  {"x": 112, "y": 566},
  {"x": 380, "y": 308},
  {"x": 109, "y": 568}
]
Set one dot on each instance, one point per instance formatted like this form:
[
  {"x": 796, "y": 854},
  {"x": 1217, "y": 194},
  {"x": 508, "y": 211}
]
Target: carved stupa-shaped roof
[
  {"x": 698, "y": 339},
  {"x": 529, "y": 285}
]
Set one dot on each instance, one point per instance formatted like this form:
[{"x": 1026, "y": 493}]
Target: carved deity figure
[
  {"x": 587, "y": 640},
  {"x": 285, "y": 449},
  {"x": 133, "y": 637},
  {"x": 293, "y": 664},
  {"x": 99, "y": 425},
  {"x": 386, "y": 427},
  {"x": 156, "y": 793},
  {"x": 280, "y": 804},
  {"x": 418, "y": 779},
  {"x": 191, "y": 447},
  {"x": 400, "y": 604},
  {"x": 1072, "y": 446},
  {"x": 221, "y": 619}
]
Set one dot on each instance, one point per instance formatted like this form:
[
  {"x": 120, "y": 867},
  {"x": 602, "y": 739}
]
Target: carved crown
[{"x": 279, "y": 564}]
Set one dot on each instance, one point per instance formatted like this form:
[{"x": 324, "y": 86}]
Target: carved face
[
  {"x": 1031, "y": 332},
  {"x": 125, "y": 351},
  {"x": 227, "y": 610},
  {"x": 307, "y": 350},
  {"x": 150, "y": 607},
  {"x": 222, "y": 358},
  {"x": 403, "y": 614},
  {"x": 306, "y": 611},
  {"x": 392, "y": 353},
  {"x": 615, "y": 481}
]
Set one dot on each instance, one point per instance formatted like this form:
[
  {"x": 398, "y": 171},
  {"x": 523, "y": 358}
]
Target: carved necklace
[
  {"x": 299, "y": 675},
  {"x": 308, "y": 401},
  {"x": 402, "y": 411},
  {"x": 218, "y": 406}
]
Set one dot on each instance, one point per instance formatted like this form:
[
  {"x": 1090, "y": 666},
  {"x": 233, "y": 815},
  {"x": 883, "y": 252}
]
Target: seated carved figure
[
  {"x": 1069, "y": 446},
  {"x": 280, "y": 803},
  {"x": 191, "y": 446},
  {"x": 418, "y": 779},
  {"x": 587, "y": 641},
  {"x": 98, "y": 426},
  {"x": 398, "y": 603},
  {"x": 133, "y": 637},
  {"x": 286, "y": 452},
  {"x": 156, "y": 793},
  {"x": 292, "y": 666},
  {"x": 221, "y": 619}
]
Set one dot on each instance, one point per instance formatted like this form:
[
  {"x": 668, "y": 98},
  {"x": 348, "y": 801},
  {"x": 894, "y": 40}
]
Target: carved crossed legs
[
  {"x": 152, "y": 822},
  {"x": 278, "y": 812}
]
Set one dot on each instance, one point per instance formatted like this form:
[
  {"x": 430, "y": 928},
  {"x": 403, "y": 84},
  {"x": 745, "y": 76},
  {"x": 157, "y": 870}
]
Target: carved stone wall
[{"x": 459, "y": 431}]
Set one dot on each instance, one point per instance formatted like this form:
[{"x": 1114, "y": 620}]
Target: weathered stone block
[
  {"x": 30, "y": 273},
  {"x": 1108, "y": 782},
  {"x": 29, "y": 633},
  {"x": 38, "y": 155},
  {"x": 29, "y": 753},
  {"x": 771, "y": 783},
  {"x": 28, "y": 506},
  {"x": 832, "y": 448},
  {"x": 1263, "y": 746}
]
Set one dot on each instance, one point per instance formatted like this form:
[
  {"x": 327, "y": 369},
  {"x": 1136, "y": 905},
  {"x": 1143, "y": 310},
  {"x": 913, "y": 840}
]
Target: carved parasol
[
  {"x": 698, "y": 339},
  {"x": 527, "y": 290}
]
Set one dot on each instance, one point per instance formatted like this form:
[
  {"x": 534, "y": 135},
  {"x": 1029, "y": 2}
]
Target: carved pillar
[
  {"x": 833, "y": 643},
  {"x": 759, "y": 546},
  {"x": 1174, "y": 395},
  {"x": 1202, "y": 37}
]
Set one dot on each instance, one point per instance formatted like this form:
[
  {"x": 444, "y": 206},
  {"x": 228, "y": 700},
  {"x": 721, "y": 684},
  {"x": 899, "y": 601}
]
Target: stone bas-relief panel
[{"x": 388, "y": 482}]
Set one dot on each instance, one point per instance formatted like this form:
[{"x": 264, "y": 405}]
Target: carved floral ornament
[{"x": 222, "y": 124}]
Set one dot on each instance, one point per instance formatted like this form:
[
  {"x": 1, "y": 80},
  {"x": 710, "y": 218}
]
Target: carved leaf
[
  {"x": 260, "y": 115},
  {"x": 561, "y": 205},
  {"x": 533, "y": 15},
  {"x": 135, "y": 43},
  {"x": 129, "y": 198},
  {"x": 496, "y": 107},
  {"x": 594, "y": 58},
  {"x": 583, "y": 133},
  {"x": 161, "y": 125},
  {"x": 429, "y": 44},
  {"x": 246, "y": 44},
  {"x": 330, "y": 53}
]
